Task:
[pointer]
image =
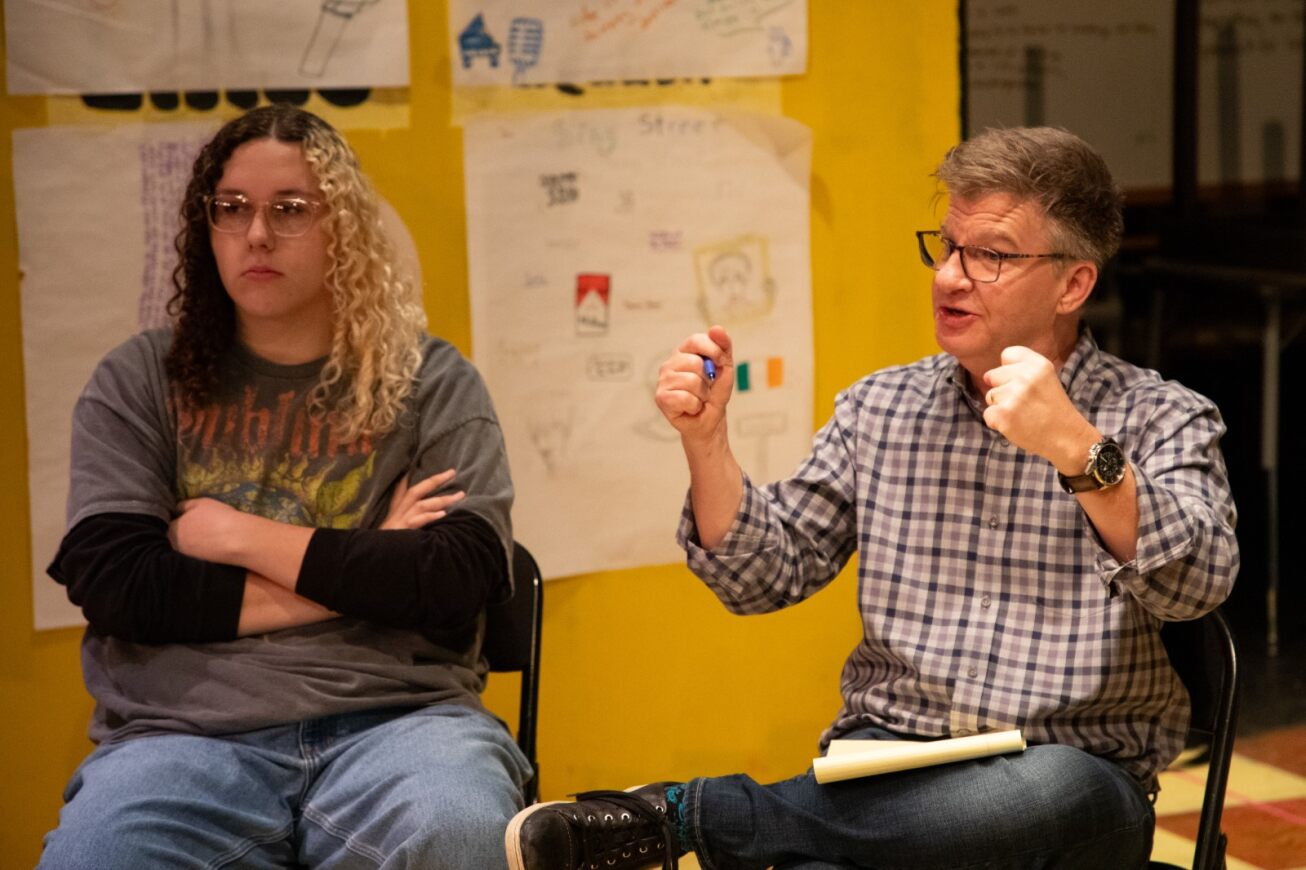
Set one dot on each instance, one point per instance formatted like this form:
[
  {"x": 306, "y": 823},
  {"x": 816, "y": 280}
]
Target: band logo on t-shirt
[{"x": 263, "y": 452}]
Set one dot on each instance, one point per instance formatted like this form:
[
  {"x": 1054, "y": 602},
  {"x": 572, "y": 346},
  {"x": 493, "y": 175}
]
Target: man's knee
[
  {"x": 1072, "y": 777},
  {"x": 1088, "y": 804}
]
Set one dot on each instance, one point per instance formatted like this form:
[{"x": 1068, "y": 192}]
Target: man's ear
[{"x": 1080, "y": 277}]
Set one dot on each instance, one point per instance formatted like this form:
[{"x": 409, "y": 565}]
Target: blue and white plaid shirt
[{"x": 988, "y": 601}]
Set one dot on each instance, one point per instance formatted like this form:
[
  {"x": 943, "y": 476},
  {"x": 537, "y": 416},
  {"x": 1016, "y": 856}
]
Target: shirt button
[
  {"x": 961, "y": 732},
  {"x": 985, "y": 601},
  {"x": 972, "y": 671},
  {"x": 993, "y": 522},
  {"x": 1005, "y": 443}
]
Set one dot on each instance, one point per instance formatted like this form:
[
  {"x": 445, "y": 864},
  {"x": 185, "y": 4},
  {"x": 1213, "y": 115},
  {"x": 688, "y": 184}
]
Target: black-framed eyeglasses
[
  {"x": 980, "y": 264},
  {"x": 286, "y": 217}
]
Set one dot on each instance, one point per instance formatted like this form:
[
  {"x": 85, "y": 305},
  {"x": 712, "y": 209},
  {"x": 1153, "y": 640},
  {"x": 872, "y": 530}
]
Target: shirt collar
[
  {"x": 1083, "y": 361},
  {"x": 1075, "y": 371}
]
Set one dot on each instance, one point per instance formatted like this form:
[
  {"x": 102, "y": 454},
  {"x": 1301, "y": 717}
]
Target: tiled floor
[
  {"x": 1265, "y": 802},
  {"x": 1265, "y": 805}
]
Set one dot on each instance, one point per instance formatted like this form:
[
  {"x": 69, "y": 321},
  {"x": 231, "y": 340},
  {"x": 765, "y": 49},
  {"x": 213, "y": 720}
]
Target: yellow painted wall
[{"x": 645, "y": 676}]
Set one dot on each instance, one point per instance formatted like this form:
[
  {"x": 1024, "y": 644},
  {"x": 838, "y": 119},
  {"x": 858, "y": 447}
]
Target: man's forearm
[
  {"x": 716, "y": 489},
  {"x": 1114, "y": 513}
]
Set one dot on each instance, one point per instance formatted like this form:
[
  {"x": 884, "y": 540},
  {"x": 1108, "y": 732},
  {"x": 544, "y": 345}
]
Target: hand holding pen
[{"x": 695, "y": 384}]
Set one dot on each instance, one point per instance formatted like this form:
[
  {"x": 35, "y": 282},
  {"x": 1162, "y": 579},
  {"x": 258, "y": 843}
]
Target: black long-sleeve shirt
[{"x": 130, "y": 583}]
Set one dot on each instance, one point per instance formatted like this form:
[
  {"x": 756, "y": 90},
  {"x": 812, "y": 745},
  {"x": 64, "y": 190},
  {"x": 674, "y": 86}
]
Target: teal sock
[{"x": 676, "y": 816}]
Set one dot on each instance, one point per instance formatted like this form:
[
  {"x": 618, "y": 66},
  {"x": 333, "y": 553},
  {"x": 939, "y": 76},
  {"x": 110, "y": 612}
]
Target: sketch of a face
[
  {"x": 735, "y": 291},
  {"x": 729, "y": 273}
]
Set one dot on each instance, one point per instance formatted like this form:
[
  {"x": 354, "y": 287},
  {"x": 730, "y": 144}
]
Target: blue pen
[{"x": 709, "y": 369}]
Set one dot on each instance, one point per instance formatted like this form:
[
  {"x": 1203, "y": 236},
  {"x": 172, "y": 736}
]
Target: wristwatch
[{"x": 1106, "y": 467}]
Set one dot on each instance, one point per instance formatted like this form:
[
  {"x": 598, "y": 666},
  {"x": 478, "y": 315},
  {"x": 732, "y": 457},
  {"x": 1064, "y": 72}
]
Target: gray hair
[{"x": 1051, "y": 167}]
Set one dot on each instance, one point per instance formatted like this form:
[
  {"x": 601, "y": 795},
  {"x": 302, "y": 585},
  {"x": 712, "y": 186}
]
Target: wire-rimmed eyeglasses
[
  {"x": 979, "y": 264},
  {"x": 286, "y": 217}
]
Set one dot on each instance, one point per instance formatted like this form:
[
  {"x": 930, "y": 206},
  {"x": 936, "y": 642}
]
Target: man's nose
[{"x": 952, "y": 274}]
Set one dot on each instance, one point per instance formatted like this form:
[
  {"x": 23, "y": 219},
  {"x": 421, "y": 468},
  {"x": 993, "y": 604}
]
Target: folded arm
[{"x": 131, "y": 583}]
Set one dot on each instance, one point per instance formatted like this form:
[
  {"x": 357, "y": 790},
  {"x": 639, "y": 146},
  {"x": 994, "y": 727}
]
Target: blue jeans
[
  {"x": 432, "y": 787},
  {"x": 1050, "y": 806}
]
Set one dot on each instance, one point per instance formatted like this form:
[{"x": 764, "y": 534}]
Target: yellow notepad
[{"x": 848, "y": 759}]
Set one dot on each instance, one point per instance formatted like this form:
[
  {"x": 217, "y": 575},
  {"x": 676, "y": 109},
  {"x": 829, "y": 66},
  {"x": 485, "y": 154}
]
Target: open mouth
[{"x": 948, "y": 311}]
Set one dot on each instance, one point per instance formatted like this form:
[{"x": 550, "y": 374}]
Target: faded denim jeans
[{"x": 432, "y": 787}]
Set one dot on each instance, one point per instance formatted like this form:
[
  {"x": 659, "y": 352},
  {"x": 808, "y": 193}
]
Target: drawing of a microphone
[
  {"x": 330, "y": 26},
  {"x": 525, "y": 38}
]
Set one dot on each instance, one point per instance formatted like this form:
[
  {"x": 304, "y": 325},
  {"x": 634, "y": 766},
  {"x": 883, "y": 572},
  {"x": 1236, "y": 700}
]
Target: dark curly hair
[{"x": 206, "y": 316}]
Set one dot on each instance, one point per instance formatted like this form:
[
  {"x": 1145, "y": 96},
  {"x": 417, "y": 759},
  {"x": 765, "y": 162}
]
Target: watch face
[{"x": 1109, "y": 464}]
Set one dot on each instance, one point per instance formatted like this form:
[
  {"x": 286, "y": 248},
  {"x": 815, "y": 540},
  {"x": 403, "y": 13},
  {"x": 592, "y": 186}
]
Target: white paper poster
[
  {"x": 97, "y": 215},
  {"x": 94, "y": 46},
  {"x": 97, "y": 211},
  {"x": 597, "y": 241},
  {"x": 500, "y": 42}
]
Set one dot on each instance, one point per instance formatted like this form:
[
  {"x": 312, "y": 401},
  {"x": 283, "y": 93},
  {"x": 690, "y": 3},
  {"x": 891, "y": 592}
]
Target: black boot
[{"x": 600, "y": 830}]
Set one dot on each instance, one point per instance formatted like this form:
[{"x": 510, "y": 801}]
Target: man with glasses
[
  {"x": 1027, "y": 511},
  {"x": 284, "y": 590}
]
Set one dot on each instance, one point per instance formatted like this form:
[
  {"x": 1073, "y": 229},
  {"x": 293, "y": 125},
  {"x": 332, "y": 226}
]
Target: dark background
[{"x": 1234, "y": 206}]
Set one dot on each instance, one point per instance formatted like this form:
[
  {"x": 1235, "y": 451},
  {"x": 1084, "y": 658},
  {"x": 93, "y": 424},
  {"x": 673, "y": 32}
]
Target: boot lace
[{"x": 635, "y": 828}]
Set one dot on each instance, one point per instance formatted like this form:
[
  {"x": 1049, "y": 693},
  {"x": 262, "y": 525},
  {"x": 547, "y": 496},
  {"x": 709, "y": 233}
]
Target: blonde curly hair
[
  {"x": 379, "y": 320},
  {"x": 378, "y": 317}
]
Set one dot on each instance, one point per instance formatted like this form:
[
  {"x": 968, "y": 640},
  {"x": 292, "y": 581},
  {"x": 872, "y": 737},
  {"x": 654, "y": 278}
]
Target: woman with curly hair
[{"x": 282, "y": 586}]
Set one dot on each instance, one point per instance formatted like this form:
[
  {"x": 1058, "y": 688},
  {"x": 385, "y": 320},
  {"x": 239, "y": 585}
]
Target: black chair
[
  {"x": 512, "y": 643},
  {"x": 1204, "y": 654}
]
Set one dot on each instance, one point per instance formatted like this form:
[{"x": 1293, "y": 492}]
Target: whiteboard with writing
[
  {"x": 597, "y": 241},
  {"x": 1105, "y": 71},
  {"x": 499, "y": 42}
]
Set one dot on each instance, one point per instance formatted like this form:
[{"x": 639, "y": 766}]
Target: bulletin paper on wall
[
  {"x": 598, "y": 241},
  {"x": 97, "y": 211},
  {"x": 94, "y": 46},
  {"x": 499, "y": 42},
  {"x": 97, "y": 215}
]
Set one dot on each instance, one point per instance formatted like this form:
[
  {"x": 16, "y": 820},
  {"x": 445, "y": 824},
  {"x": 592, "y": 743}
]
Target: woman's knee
[
  {"x": 437, "y": 835},
  {"x": 164, "y": 802}
]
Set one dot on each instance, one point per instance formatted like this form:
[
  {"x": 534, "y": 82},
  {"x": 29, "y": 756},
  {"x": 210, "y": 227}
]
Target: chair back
[
  {"x": 1205, "y": 655},
  {"x": 512, "y": 643}
]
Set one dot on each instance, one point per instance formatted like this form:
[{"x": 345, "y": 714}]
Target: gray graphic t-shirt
[{"x": 257, "y": 448}]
